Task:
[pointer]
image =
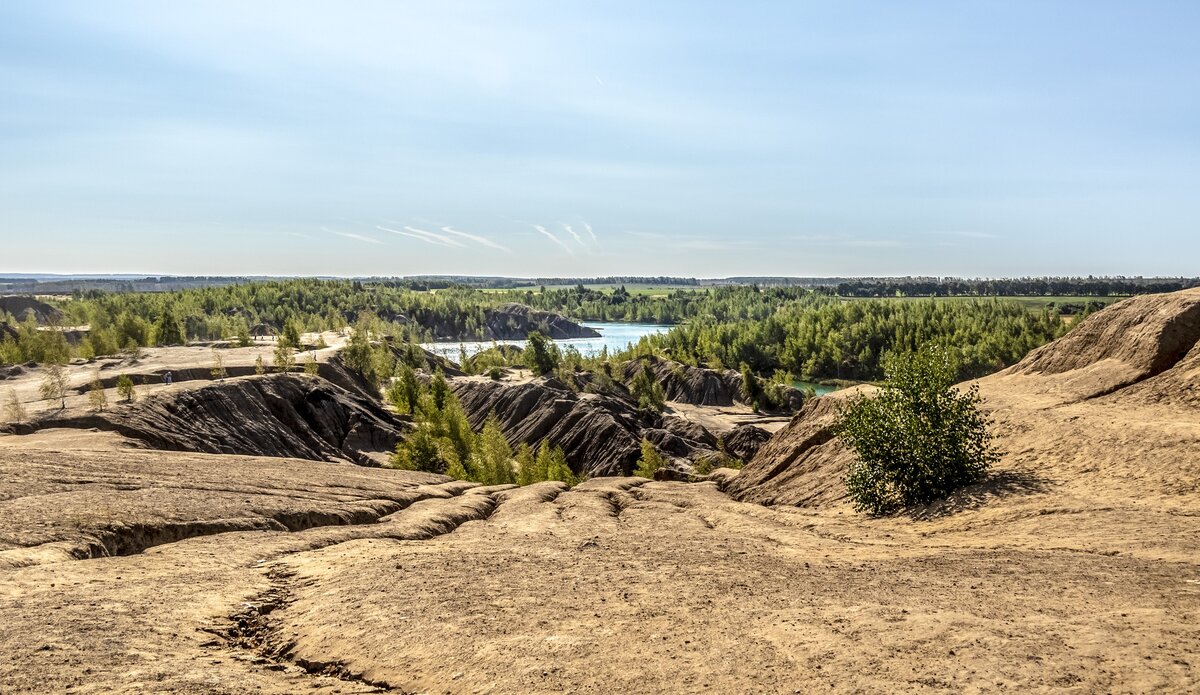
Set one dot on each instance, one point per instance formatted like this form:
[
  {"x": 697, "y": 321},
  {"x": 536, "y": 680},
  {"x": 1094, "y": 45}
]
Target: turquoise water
[
  {"x": 821, "y": 389},
  {"x": 614, "y": 336}
]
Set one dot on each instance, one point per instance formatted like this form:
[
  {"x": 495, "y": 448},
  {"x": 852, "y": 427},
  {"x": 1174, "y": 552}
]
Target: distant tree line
[
  {"x": 1011, "y": 287},
  {"x": 827, "y": 338}
]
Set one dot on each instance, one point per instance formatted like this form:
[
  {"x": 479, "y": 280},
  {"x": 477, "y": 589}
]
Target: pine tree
[
  {"x": 650, "y": 461},
  {"x": 259, "y": 367},
  {"x": 166, "y": 329},
  {"x": 285, "y": 359},
  {"x": 495, "y": 455},
  {"x": 526, "y": 465},
  {"x": 540, "y": 358}
]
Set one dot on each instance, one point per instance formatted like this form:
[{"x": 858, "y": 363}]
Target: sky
[{"x": 561, "y": 138}]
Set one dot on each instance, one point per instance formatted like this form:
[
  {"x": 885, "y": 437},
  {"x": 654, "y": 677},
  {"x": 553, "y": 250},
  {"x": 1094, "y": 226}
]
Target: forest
[{"x": 789, "y": 330}]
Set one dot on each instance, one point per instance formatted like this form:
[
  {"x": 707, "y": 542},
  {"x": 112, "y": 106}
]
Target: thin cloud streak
[
  {"x": 481, "y": 240},
  {"x": 592, "y": 234},
  {"x": 542, "y": 230},
  {"x": 422, "y": 235},
  {"x": 574, "y": 234},
  {"x": 352, "y": 235}
]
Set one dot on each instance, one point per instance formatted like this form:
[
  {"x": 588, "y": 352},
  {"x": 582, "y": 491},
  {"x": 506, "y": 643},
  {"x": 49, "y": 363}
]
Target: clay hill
[
  {"x": 601, "y": 432},
  {"x": 22, "y": 308},
  {"x": 1076, "y": 568}
]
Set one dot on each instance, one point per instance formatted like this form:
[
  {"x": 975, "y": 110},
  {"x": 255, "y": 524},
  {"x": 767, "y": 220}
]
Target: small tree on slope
[{"x": 919, "y": 439}]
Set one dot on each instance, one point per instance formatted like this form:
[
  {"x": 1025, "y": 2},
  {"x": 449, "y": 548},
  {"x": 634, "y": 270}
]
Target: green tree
[
  {"x": 406, "y": 390},
  {"x": 243, "y": 334},
  {"x": 543, "y": 461},
  {"x": 259, "y": 367},
  {"x": 540, "y": 357},
  {"x": 125, "y": 388},
  {"x": 291, "y": 334},
  {"x": 494, "y": 456},
  {"x": 419, "y": 453},
  {"x": 166, "y": 329},
  {"x": 919, "y": 439},
  {"x": 752, "y": 389},
  {"x": 557, "y": 468},
  {"x": 55, "y": 384},
  {"x": 285, "y": 358},
  {"x": 96, "y": 395},
  {"x": 647, "y": 390},
  {"x": 526, "y": 465},
  {"x": 650, "y": 461},
  {"x": 311, "y": 368},
  {"x": 439, "y": 389}
]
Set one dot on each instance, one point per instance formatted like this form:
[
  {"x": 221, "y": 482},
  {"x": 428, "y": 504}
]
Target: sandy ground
[{"x": 275, "y": 575}]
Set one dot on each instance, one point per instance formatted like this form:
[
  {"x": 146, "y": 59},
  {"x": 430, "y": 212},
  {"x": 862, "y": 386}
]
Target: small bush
[{"x": 919, "y": 439}]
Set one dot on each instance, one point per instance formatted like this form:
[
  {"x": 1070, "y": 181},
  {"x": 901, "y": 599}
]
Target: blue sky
[{"x": 571, "y": 138}]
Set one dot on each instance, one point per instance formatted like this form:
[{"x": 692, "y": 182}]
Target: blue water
[{"x": 614, "y": 336}]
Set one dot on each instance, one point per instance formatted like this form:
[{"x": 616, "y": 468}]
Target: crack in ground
[
  {"x": 132, "y": 539},
  {"x": 253, "y": 629}
]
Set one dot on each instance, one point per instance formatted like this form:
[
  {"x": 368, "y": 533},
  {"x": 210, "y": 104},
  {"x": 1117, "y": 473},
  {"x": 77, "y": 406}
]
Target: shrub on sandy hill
[{"x": 919, "y": 439}]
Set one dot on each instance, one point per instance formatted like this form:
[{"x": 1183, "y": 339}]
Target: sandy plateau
[{"x": 1075, "y": 568}]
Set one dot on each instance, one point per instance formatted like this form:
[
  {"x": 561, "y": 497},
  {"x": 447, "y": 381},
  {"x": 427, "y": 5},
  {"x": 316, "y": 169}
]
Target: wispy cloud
[
  {"x": 481, "y": 240},
  {"x": 573, "y": 233},
  {"x": 592, "y": 234},
  {"x": 422, "y": 235},
  {"x": 544, "y": 232},
  {"x": 352, "y": 235}
]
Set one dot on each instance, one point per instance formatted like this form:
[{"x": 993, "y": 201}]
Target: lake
[
  {"x": 614, "y": 336},
  {"x": 820, "y": 389}
]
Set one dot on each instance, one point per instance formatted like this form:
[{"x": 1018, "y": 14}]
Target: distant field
[
  {"x": 648, "y": 290},
  {"x": 1033, "y": 303}
]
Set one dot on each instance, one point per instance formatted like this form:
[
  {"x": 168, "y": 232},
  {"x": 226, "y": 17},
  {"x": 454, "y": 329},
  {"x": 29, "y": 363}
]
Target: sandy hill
[{"x": 1113, "y": 408}]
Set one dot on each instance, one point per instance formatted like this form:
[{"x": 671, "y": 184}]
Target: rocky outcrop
[
  {"x": 600, "y": 434},
  {"x": 699, "y": 385},
  {"x": 275, "y": 415},
  {"x": 744, "y": 441},
  {"x": 517, "y": 321},
  {"x": 685, "y": 384}
]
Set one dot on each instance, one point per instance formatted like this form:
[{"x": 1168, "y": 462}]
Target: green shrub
[
  {"x": 919, "y": 439},
  {"x": 650, "y": 461},
  {"x": 125, "y": 388}
]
